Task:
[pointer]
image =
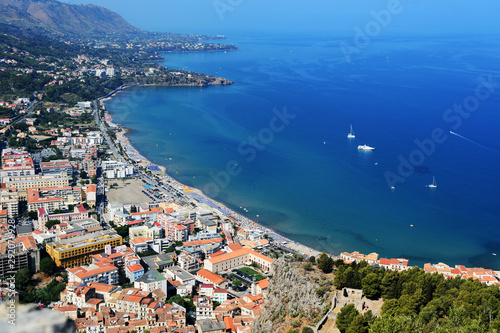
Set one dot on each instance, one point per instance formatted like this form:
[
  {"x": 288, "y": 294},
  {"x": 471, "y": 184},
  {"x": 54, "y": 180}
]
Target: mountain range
[{"x": 56, "y": 19}]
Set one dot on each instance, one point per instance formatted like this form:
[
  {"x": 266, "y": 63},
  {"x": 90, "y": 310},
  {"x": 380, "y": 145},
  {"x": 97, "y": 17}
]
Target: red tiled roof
[
  {"x": 216, "y": 279},
  {"x": 135, "y": 268},
  {"x": 202, "y": 242}
]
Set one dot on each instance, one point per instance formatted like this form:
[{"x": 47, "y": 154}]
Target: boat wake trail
[{"x": 476, "y": 143}]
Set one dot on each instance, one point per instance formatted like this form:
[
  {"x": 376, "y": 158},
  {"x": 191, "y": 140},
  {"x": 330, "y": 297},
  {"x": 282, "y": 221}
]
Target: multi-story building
[
  {"x": 178, "y": 274},
  {"x": 175, "y": 231},
  {"x": 91, "y": 194},
  {"x": 188, "y": 262},
  {"x": 204, "y": 307},
  {"x": 78, "y": 250},
  {"x": 89, "y": 165},
  {"x": 154, "y": 232},
  {"x": 110, "y": 165},
  {"x": 107, "y": 274},
  {"x": 220, "y": 295},
  {"x": 160, "y": 261},
  {"x": 119, "y": 172},
  {"x": 237, "y": 258},
  {"x": 139, "y": 244},
  {"x": 24, "y": 183},
  {"x": 22, "y": 166},
  {"x": 148, "y": 215},
  {"x": 69, "y": 195},
  {"x": 56, "y": 167},
  {"x": 133, "y": 272},
  {"x": 9, "y": 200},
  {"x": 13, "y": 154},
  {"x": 205, "y": 276},
  {"x": 22, "y": 253},
  {"x": 79, "y": 213},
  {"x": 35, "y": 201},
  {"x": 78, "y": 153},
  {"x": 151, "y": 280}
]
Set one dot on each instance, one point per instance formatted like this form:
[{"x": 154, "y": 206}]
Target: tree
[
  {"x": 123, "y": 231},
  {"x": 147, "y": 253},
  {"x": 325, "y": 263},
  {"x": 94, "y": 179},
  {"x": 400, "y": 324},
  {"x": 133, "y": 209},
  {"x": 345, "y": 317},
  {"x": 390, "y": 285},
  {"x": 32, "y": 215},
  {"x": 50, "y": 223},
  {"x": 23, "y": 277},
  {"x": 48, "y": 266},
  {"x": 307, "y": 329},
  {"x": 237, "y": 283},
  {"x": 338, "y": 280},
  {"x": 83, "y": 174},
  {"x": 371, "y": 285},
  {"x": 312, "y": 259},
  {"x": 307, "y": 266}
]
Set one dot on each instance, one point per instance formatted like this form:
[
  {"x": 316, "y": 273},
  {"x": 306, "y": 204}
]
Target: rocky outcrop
[{"x": 295, "y": 298}]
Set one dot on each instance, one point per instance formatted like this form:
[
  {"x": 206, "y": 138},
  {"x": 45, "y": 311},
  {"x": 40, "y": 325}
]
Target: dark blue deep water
[{"x": 308, "y": 181}]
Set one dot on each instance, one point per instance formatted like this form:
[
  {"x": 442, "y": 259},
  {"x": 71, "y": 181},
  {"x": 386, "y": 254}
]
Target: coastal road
[{"x": 110, "y": 143}]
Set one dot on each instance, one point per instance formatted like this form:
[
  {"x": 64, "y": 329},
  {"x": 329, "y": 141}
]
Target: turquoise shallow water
[{"x": 309, "y": 182}]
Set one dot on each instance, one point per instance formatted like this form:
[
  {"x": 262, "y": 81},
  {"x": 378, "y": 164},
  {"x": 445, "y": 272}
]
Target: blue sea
[{"x": 275, "y": 143}]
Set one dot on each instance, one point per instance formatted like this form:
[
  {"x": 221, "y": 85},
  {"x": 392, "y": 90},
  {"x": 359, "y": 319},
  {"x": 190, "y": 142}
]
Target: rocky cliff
[{"x": 296, "y": 298}]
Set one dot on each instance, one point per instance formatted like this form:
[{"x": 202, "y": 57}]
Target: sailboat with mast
[
  {"x": 351, "y": 134},
  {"x": 434, "y": 184}
]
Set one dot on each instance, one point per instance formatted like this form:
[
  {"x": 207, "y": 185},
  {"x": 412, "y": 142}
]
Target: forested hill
[{"x": 53, "y": 18}]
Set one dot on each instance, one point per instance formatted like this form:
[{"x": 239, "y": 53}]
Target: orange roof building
[{"x": 238, "y": 257}]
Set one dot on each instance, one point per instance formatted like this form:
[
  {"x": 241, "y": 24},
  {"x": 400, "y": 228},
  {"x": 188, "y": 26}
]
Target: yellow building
[{"x": 76, "y": 251}]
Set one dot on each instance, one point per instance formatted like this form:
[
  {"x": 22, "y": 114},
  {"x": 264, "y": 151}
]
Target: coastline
[{"x": 196, "y": 194}]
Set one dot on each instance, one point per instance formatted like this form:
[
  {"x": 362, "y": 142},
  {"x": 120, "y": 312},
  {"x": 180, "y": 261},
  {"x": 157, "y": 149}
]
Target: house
[
  {"x": 206, "y": 289},
  {"x": 178, "y": 274},
  {"x": 220, "y": 295},
  {"x": 133, "y": 272},
  {"x": 208, "y": 326},
  {"x": 204, "y": 307},
  {"x": 159, "y": 261},
  {"x": 399, "y": 264},
  {"x": 140, "y": 244},
  {"x": 107, "y": 274},
  {"x": 205, "y": 276},
  {"x": 150, "y": 281},
  {"x": 261, "y": 287}
]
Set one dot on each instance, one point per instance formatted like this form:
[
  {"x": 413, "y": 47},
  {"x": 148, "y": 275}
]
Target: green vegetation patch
[{"x": 251, "y": 272}]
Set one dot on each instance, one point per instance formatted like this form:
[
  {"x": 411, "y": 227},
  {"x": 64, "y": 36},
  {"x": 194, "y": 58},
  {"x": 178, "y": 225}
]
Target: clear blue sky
[{"x": 328, "y": 16}]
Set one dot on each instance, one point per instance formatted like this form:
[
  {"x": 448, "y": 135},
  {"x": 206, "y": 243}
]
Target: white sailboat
[
  {"x": 434, "y": 184},
  {"x": 351, "y": 134}
]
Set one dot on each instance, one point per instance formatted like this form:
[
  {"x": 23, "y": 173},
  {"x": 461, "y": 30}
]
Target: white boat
[
  {"x": 351, "y": 134},
  {"x": 365, "y": 147},
  {"x": 434, "y": 184}
]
